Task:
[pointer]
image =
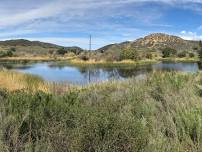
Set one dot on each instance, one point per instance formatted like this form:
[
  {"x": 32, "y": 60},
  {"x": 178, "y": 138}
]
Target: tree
[
  {"x": 51, "y": 52},
  {"x": 84, "y": 56},
  {"x": 182, "y": 54},
  {"x": 168, "y": 52},
  {"x": 131, "y": 54},
  {"x": 149, "y": 56},
  {"x": 9, "y": 53},
  {"x": 13, "y": 49},
  {"x": 191, "y": 55},
  {"x": 61, "y": 51}
]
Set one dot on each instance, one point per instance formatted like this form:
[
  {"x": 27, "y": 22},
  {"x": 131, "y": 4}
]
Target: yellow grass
[
  {"x": 94, "y": 62},
  {"x": 12, "y": 80},
  {"x": 36, "y": 58},
  {"x": 186, "y": 59}
]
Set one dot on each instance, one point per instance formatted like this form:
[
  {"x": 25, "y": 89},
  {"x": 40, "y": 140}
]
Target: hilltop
[
  {"x": 148, "y": 47},
  {"x": 26, "y": 47},
  {"x": 155, "y": 42}
]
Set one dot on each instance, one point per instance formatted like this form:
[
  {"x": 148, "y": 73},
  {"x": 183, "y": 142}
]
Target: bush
[
  {"x": 195, "y": 48},
  {"x": 61, "y": 51},
  {"x": 149, "y": 55},
  {"x": 13, "y": 49},
  {"x": 168, "y": 52},
  {"x": 131, "y": 54},
  {"x": 51, "y": 52},
  {"x": 8, "y": 53},
  {"x": 122, "y": 116},
  {"x": 191, "y": 55},
  {"x": 110, "y": 57},
  {"x": 182, "y": 54},
  {"x": 84, "y": 56}
]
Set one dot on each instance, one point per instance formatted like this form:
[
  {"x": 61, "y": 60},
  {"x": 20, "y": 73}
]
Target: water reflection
[{"x": 82, "y": 75}]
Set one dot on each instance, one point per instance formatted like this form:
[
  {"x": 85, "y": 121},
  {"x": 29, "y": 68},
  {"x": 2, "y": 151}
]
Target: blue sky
[{"x": 69, "y": 22}]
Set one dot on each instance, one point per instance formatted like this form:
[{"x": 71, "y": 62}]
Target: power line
[{"x": 89, "y": 72}]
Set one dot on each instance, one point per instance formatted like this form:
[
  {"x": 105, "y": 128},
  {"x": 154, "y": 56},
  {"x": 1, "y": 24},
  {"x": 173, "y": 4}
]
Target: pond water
[{"x": 82, "y": 76}]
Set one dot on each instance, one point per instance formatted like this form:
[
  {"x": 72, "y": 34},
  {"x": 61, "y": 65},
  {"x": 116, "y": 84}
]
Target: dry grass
[
  {"x": 37, "y": 58},
  {"x": 78, "y": 62},
  {"x": 12, "y": 80},
  {"x": 185, "y": 59}
]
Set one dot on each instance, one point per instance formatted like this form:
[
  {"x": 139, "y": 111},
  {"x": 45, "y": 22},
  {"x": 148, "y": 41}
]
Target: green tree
[
  {"x": 9, "y": 53},
  {"x": 191, "y": 55},
  {"x": 84, "y": 56},
  {"x": 61, "y": 51},
  {"x": 131, "y": 54},
  {"x": 13, "y": 49},
  {"x": 149, "y": 56},
  {"x": 182, "y": 54},
  {"x": 168, "y": 52}
]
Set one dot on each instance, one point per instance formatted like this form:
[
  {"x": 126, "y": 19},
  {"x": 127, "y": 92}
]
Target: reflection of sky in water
[
  {"x": 187, "y": 67},
  {"x": 77, "y": 75}
]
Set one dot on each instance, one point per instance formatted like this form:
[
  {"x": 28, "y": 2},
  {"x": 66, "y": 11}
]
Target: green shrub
[
  {"x": 131, "y": 54},
  {"x": 7, "y": 53},
  {"x": 84, "y": 56},
  {"x": 182, "y": 54},
  {"x": 160, "y": 113},
  {"x": 195, "y": 48},
  {"x": 149, "y": 55},
  {"x": 168, "y": 52},
  {"x": 13, "y": 49},
  {"x": 61, "y": 51},
  {"x": 191, "y": 55}
]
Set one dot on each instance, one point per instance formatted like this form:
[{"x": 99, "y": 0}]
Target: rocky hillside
[{"x": 155, "y": 42}]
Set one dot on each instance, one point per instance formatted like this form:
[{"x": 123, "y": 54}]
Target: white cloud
[
  {"x": 188, "y": 35},
  {"x": 70, "y": 9},
  {"x": 18, "y": 18}
]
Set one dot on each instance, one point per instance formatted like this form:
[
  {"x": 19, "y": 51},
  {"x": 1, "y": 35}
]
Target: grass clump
[
  {"x": 162, "y": 113},
  {"x": 12, "y": 80}
]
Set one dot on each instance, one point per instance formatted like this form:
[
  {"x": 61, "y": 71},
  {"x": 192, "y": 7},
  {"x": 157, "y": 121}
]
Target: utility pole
[
  {"x": 90, "y": 43},
  {"x": 89, "y": 72}
]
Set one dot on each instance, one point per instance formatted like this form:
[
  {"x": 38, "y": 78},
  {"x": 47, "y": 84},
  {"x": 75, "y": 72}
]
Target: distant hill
[
  {"x": 23, "y": 42},
  {"x": 26, "y": 47},
  {"x": 155, "y": 42}
]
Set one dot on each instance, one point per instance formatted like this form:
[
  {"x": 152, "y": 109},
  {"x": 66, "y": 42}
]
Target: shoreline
[
  {"x": 72, "y": 61},
  {"x": 104, "y": 63},
  {"x": 183, "y": 60}
]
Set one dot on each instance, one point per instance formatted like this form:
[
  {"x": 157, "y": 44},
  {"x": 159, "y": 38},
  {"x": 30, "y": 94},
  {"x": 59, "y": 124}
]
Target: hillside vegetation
[
  {"x": 21, "y": 47},
  {"x": 153, "y": 47},
  {"x": 161, "y": 113}
]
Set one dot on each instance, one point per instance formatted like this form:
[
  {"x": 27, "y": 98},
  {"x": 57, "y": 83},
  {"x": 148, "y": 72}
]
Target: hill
[
  {"x": 155, "y": 42},
  {"x": 26, "y": 47}
]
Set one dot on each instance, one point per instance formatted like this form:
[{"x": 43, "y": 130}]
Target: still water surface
[{"x": 82, "y": 76}]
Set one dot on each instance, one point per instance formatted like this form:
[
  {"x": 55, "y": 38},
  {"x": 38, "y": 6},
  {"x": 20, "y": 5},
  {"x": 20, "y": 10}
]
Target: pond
[{"x": 80, "y": 75}]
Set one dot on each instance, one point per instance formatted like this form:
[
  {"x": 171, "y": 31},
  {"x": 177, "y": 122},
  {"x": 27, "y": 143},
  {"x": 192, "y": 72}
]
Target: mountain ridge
[
  {"x": 154, "y": 41},
  {"x": 27, "y": 47},
  {"x": 151, "y": 42}
]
